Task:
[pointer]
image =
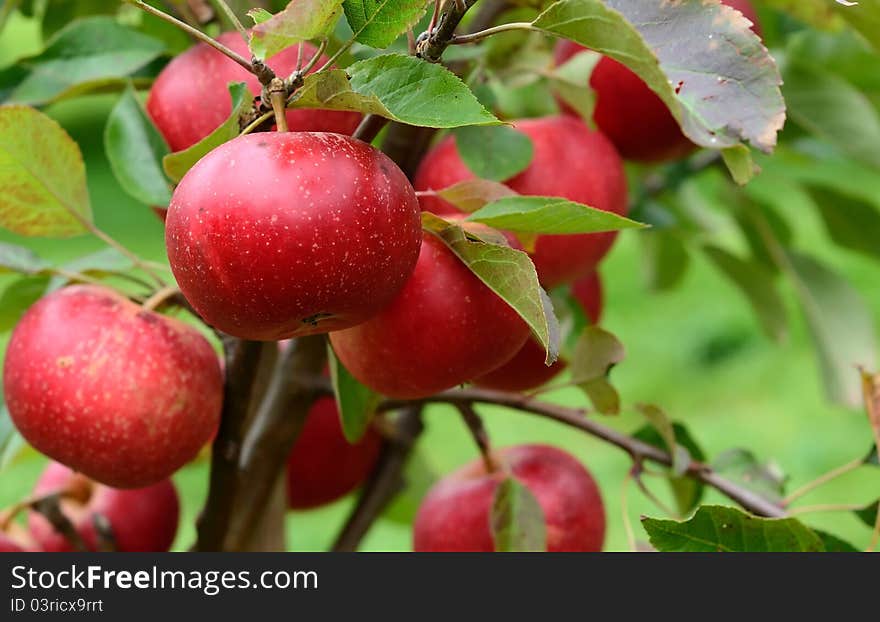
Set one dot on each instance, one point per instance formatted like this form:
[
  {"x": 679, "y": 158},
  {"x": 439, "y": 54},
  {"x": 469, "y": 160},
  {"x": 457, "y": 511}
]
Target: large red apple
[
  {"x": 527, "y": 369},
  {"x": 279, "y": 235},
  {"x": 323, "y": 466},
  {"x": 632, "y": 115},
  {"x": 570, "y": 161},
  {"x": 143, "y": 519},
  {"x": 121, "y": 394},
  {"x": 189, "y": 98},
  {"x": 444, "y": 328},
  {"x": 455, "y": 515}
]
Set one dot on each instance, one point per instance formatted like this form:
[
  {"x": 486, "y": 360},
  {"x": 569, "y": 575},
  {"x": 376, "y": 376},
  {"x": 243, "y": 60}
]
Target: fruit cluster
[{"x": 279, "y": 235}]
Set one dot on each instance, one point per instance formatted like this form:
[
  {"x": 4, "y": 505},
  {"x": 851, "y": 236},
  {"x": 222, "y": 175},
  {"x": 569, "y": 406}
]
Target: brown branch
[
  {"x": 50, "y": 508},
  {"x": 386, "y": 480},
  {"x": 478, "y": 432},
  {"x": 242, "y": 364},
  {"x": 272, "y": 432}
]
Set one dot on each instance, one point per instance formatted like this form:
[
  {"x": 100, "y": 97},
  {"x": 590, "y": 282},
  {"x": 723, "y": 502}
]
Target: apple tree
[{"x": 373, "y": 208}]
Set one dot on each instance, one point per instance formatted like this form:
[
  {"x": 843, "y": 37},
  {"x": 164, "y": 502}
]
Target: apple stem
[
  {"x": 195, "y": 32},
  {"x": 162, "y": 295},
  {"x": 478, "y": 431},
  {"x": 278, "y": 98}
]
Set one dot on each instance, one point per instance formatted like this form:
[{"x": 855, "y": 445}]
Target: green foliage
[
  {"x": 299, "y": 21},
  {"x": 42, "y": 176},
  {"x": 663, "y": 425},
  {"x": 89, "y": 54},
  {"x": 549, "y": 215},
  {"x": 17, "y": 297},
  {"x": 135, "y": 150},
  {"x": 743, "y": 467},
  {"x": 688, "y": 492},
  {"x": 177, "y": 164},
  {"x": 400, "y": 88},
  {"x": 596, "y": 352},
  {"x": 469, "y": 196},
  {"x": 868, "y": 514},
  {"x": 714, "y": 106},
  {"x": 517, "y": 520},
  {"x": 19, "y": 259},
  {"x": 507, "y": 272},
  {"x": 356, "y": 403},
  {"x": 495, "y": 153},
  {"x": 728, "y": 530},
  {"x": 378, "y": 23}
]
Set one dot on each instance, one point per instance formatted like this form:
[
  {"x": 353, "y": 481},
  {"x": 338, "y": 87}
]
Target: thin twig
[
  {"x": 233, "y": 18},
  {"x": 384, "y": 482},
  {"x": 821, "y": 480},
  {"x": 488, "y": 32},
  {"x": 624, "y": 510},
  {"x": 161, "y": 296},
  {"x": 478, "y": 431},
  {"x": 50, "y": 508},
  {"x": 195, "y": 32},
  {"x": 824, "y": 507}
]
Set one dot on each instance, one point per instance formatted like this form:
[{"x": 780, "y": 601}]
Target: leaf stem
[
  {"x": 233, "y": 18},
  {"x": 488, "y": 32},
  {"x": 624, "y": 511},
  {"x": 162, "y": 295},
  {"x": 195, "y": 32},
  {"x": 253, "y": 125},
  {"x": 827, "y": 507},
  {"x": 821, "y": 480}
]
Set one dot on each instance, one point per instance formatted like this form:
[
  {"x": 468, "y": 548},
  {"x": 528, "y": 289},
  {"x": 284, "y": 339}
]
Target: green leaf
[
  {"x": 469, "y": 196},
  {"x": 378, "y": 23},
  {"x": 549, "y": 215},
  {"x": 868, "y": 514},
  {"x": 14, "y": 258},
  {"x": 666, "y": 259},
  {"x": 727, "y": 530},
  {"x": 872, "y": 458},
  {"x": 687, "y": 491},
  {"x": 399, "y": 87},
  {"x": 507, "y": 272},
  {"x": 841, "y": 326},
  {"x": 178, "y": 163},
  {"x": 738, "y": 160},
  {"x": 11, "y": 442},
  {"x": 301, "y": 20},
  {"x": 259, "y": 15},
  {"x": 757, "y": 283},
  {"x": 864, "y": 17},
  {"x": 494, "y": 152},
  {"x": 43, "y": 188},
  {"x": 833, "y": 544},
  {"x": 851, "y": 222},
  {"x": 596, "y": 352},
  {"x": 518, "y": 523},
  {"x": 356, "y": 403},
  {"x": 105, "y": 262},
  {"x": 419, "y": 476},
  {"x": 18, "y": 297},
  {"x": 568, "y": 82},
  {"x": 833, "y": 109},
  {"x": 701, "y": 59},
  {"x": 135, "y": 150},
  {"x": 661, "y": 422},
  {"x": 87, "y": 54},
  {"x": 744, "y": 468}
]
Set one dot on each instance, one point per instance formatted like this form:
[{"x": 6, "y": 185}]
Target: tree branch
[
  {"x": 478, "y": 432},
  {"x": 386, "y": 480}
]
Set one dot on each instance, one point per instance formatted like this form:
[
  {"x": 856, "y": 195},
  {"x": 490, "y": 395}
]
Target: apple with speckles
[
  {"x": 444, "y": 328},
  {"x": 280, "y": 235},
  {"x": 122, "y": 394},
  {"x": 189, "y": 98},
  {"x": 570, "y": 161},
  {"x": 455, "y": 514},
  {"x": 631, "y": 114},
  {"x": 527, "y": 369},
  {"x": 140, "y": 520},
  {"x": 323, "y": 466}
]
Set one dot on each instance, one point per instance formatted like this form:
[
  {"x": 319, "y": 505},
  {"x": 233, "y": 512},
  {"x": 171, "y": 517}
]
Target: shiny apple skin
[
  {"x": 119, "y": 393},
  {"x": 190, "y": 97},
  {"x": 570, "y": 161},
  {"x": 455, "y": 514},
  {"x": 444, "y": 328},
  {"x": 279, "y": 235}
]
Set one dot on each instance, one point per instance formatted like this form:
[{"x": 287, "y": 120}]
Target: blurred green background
[{"x": 696, "y": 351}]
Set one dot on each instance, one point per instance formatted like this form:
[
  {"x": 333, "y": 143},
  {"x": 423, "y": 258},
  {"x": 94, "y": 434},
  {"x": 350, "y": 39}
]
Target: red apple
[
  {"x": 123, "y": 395},
  {"x": 632, "y": 115},
  {"x": 527, "y": 369},
  {"x": 279, "y": 235},
  {"x": 14, "y": 539},
  {"x": 455, "y": 514},
  {"x": 570, "y": 161},
  {"x": 189, "y": 98},
  {"x": 323, "y": 466},
  {"x": 444, "y": 328},
  {"x": 143, "y": 519}
]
